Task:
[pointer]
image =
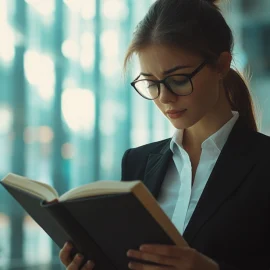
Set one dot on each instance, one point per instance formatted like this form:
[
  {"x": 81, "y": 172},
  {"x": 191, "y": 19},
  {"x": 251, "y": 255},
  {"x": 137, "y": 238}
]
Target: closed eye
[{"x": 178, "y": 80}]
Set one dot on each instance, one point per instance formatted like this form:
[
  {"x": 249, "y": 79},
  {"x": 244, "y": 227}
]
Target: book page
[
  {"x": 33, "y": 187},
  {"x": 100, "y": 187}
]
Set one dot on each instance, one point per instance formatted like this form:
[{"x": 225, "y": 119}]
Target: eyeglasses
[{"x": 179, "y": 84}]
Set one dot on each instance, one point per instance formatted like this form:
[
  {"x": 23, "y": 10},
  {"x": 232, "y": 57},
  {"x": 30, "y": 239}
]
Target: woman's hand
[
  {"x": 170, "y": 257},
  {"x": 75, "y": 263}
]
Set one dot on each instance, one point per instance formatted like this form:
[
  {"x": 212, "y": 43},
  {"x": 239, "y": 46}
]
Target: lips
[
  {"x": 174, "y": 114},
  {"x": 174, "y": 111}
]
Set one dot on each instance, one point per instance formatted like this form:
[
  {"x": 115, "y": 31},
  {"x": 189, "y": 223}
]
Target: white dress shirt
[{"x": 178, "y": 197}]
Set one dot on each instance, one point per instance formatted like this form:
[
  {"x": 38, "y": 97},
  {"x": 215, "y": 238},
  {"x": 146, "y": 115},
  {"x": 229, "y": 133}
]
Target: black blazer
[{"x": 231, "y": 223}]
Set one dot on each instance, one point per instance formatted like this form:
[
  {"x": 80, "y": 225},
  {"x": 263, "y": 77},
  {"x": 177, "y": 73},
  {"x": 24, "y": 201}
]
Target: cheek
[
  {"x": 205, "y": 94},
  {"x": 158, "y": 104}
]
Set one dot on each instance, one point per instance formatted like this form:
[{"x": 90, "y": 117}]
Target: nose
[{"x": 166, "y": 96}]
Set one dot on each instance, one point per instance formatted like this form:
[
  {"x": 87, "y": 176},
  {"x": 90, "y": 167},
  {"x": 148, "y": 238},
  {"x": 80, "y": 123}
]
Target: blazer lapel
[
  {"x": 156, "y": 168},
  {"x": 234, "y": 163}
]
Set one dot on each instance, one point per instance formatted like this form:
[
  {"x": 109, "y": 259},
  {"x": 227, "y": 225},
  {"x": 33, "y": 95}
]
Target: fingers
[
  {"x": 88, "y": 266},
  {"x": 64, "y": 254},
  {"x": 76, "y": 263}
]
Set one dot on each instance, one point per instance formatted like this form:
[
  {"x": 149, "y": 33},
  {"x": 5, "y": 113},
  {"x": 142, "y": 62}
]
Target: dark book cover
[
  {"x": 102, "y": 227},
  {"x": 55, "y": 220}
]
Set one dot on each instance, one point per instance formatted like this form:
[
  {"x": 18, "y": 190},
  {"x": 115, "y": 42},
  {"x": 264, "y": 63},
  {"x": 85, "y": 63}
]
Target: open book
[{"x": 102, "y": 219}]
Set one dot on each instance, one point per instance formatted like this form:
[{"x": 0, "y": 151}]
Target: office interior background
[{"x": 67, "y": 113}]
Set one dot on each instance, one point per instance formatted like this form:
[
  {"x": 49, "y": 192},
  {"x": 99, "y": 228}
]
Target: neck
[{"x": 195, "y": 135}]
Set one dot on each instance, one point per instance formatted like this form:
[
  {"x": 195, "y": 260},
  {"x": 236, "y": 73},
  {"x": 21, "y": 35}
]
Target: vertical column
[
  {"x": 18, "y": 151},
  {"x": 59, "y": 166},
  {"x": 128, "y": 101},
  {"x": 97, "y": 91}
]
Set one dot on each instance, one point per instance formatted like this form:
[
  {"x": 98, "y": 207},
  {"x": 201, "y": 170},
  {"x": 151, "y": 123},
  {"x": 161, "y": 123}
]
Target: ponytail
[{"x": 240, "y": 98}]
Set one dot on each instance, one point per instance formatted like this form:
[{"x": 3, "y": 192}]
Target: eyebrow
[{"x": 166, "y": 72}]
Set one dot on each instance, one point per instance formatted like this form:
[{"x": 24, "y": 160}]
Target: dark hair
[{"x": 199, "y": 26}]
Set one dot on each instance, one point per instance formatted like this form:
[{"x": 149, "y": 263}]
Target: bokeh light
[
  {"x": 6, "y": 118},
  {"x": 45, "y": 134},
  {"x": 7, "y": 44},
  {"x": 70, "y": 49},
  {"x": 78, "y": 109},
  {"x": 68, "y": 151},
  {"x": 115, "y": 9},
  {"x": 40, "y": 72}
]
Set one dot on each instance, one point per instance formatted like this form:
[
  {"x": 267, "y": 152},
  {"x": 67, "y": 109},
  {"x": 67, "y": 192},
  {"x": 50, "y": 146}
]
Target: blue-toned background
[{"x": 67, "y": 114}]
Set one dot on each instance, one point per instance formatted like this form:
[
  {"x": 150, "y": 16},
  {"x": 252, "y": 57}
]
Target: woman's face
[{"x": 202, "y": 102}]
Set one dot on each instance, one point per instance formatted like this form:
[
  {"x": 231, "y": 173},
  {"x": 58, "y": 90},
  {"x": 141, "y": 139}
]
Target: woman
[{"x": 213, "y": 177}]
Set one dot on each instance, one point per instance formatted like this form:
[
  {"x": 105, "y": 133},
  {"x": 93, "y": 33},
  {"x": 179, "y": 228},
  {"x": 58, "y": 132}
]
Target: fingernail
[
  {"x": 90, "y": 264},
  {"x": 68, "y": 245},
  {"x": 79, "y": 256}
]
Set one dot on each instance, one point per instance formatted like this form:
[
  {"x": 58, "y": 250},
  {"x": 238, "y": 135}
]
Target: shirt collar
[{"x": 218, "y": 139}]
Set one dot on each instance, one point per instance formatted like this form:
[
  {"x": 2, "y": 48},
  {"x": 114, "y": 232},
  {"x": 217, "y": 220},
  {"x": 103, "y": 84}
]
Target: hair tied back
[{"x": 212, "y": 2}]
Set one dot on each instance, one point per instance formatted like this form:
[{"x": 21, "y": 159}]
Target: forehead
[{"x": 156, "y": 59}]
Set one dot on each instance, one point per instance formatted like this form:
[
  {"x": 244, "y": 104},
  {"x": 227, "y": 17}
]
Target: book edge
[
  {"x": 98, "y": 188},
  {"x": 12, "y": 180},
  {"x": 151, "y": 205}
]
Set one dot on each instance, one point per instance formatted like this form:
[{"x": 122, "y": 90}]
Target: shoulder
[
  {"x": 259, "y": 173},
  {"x": 262, "y": 143},
  {"x": 155, "y": 147},
  {"x": 135, "y": 159},
  {"x": 259, "y": 151},
  {"x": 265, "y": 138}
]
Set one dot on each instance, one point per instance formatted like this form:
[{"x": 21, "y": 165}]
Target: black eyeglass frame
[{"x": 158, "y": 82}]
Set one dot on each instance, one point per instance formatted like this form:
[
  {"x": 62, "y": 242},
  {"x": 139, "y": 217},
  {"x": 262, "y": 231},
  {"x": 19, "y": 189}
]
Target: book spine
[{"x": 81, "y": 240}]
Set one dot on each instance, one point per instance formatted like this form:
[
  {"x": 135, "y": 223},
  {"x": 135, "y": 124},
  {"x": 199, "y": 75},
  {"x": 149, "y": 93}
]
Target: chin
[
  {"x": 179, "y": 124},
  {"x": 182, "y": 123}
]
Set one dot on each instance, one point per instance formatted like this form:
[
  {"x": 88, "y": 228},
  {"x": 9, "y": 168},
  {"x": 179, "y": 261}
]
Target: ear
[{"x": 224, "y": 64}]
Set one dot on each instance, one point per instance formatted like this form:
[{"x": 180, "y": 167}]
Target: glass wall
[{"x": 67, "y": 113}]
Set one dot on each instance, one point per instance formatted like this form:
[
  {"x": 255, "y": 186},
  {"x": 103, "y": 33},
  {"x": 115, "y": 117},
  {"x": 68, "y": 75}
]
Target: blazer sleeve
[
  {"x": 124, "y": 167},
  {"x": 133, "y": 164},
  {"x": 224, "y": 266}
]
